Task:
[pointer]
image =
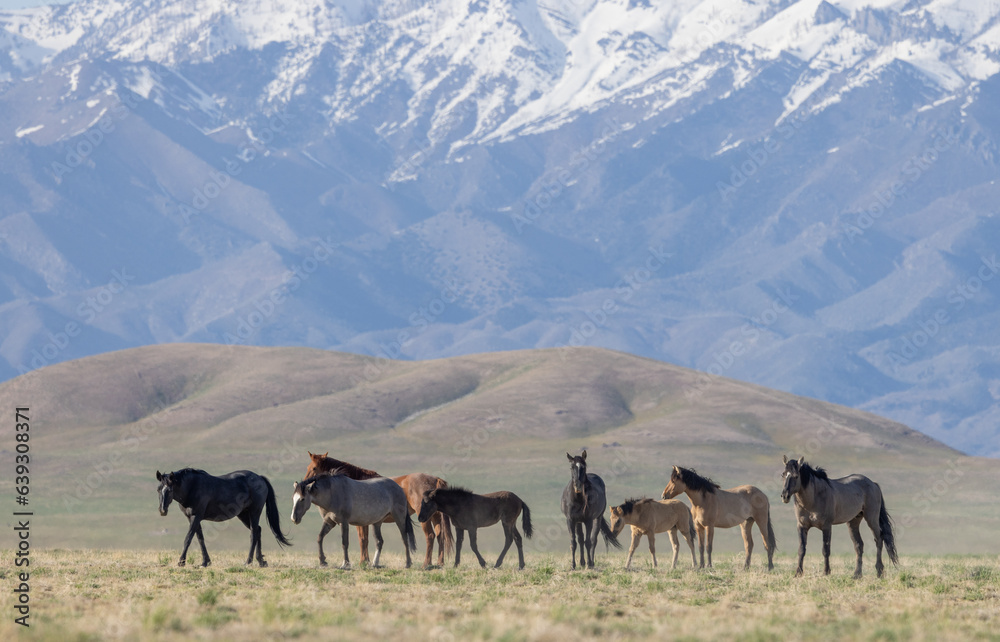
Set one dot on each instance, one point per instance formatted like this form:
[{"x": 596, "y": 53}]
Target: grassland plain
[{"x": 143, "y": 595}]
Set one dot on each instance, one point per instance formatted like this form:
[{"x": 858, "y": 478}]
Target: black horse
[
  {"x": 583, "y": 503},
  {"x": 242, "y": 494}
]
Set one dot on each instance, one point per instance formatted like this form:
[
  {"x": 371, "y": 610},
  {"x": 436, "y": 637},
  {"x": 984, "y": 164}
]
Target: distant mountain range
[{"x": 797, "y": 194}]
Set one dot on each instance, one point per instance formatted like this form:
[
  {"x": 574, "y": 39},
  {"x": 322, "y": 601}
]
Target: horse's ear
[
  {"x": 159, "y": 477},
  {"x": 784, "y": 459},
  {"x": 802, "y": 460},
  {"x": 569, "y": 457},
  {"x": 323, "y": 456},
  {"x": 677, "y": 471},
  {"x": 584, "y": 455},
  {"x": 310, "y": 486}
]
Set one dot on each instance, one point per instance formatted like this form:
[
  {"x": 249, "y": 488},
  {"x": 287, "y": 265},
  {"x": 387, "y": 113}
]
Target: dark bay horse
[
  {"x": 713, "y": 507},
  {"x": 342, "y": 500},
  {"x": 469, "y": 511},
  {"x": 202, "y": 496},
  {"x": 437, "y": 528},
  {"x": 583, "y": 502},
  {"x": 821, "y": 502}
]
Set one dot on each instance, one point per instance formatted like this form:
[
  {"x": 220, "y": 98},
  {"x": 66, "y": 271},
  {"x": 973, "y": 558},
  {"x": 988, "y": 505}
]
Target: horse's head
[
  {"x": 792, "y": 477},
  {"x": 578, "y": 471},
  {"x": 676, "y": 486},
  {"x": 315, "y": 464},
  {"x": 617, "y": 520},
  {"x": 301, "y": 500},
  {"x": 165, "y": 490},
  {"x": 428, "y": 505}
]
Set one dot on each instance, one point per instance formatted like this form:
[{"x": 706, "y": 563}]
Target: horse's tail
[
  {"x": 411, "y": 539},
  {"x": 772, "y": 543},
  {"x": 888, "y": 537},
  {"x": 609, "y": 535},
  {"x": 526, "y": 520},
  {"x": 446, "y": 530},
  {"x": 273, "y": 517},
  {"x": 694, "y": 533}
]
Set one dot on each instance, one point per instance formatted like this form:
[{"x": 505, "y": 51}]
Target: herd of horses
[{"x": 346, "y": 494}]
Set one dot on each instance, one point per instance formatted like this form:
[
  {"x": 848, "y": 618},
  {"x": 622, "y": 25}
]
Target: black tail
[
  {"x": 411, "y": 541},
  {"x": 526, "y": 520},
  {"x": 772, "y": 543},
  {"x": 273, "y": 518},
  {"x": 449, "y": 537},
  {"x": 888, "y": 538},
  {"x": 609, "y": 536}
]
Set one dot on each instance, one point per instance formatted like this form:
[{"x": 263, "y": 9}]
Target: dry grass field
[{"x": 133, "y": 595}]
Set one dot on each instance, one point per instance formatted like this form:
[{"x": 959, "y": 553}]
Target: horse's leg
[
  {"x": 378, "y": 543},
  {"x": 194, "y": 526},
  {"x": 651, "y": 537},
  {"x": 859, "y": 546},
  {"x": 702, "y": 534},
  {"x": 746, "y": 528},
  {"x": 205, "y": 559},
  {"x": 475, "y": 548},
  {"x": 520, "y": 548},
  {"x": 761, "y": 525},
  {"x": 636, "y": 538},
  {"x": 345, "y": 540},
  {"x": 572, "y": 541},
  {"x": 873, "y": 524},
  {"x": 579, "y": 536},
  {"x": 710, "y": 536},
  {"x": 363, "y": 543},
  {"x": 827, "y": 538},
  {"x": 592, "y": 536},
  {"x": 327, "y": 527},
  {"x": 254, "y": 543},
  {"x": 676, "y": 546},
  {"x": 508, "y": 539},
  {"x": 686, "y": 532},
  {"x": 429, "y": 535},
  {"x": 459, "y": 537},
  {"x": 803, "y": 534}
]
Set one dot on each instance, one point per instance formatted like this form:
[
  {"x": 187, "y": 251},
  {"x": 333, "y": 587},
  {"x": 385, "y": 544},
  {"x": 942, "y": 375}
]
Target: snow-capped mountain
[{"x": 798, "y": 194}]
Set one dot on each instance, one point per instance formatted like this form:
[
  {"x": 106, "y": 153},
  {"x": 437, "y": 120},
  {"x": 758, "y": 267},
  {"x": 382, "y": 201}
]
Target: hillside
[{"x": 489, "y": 421}]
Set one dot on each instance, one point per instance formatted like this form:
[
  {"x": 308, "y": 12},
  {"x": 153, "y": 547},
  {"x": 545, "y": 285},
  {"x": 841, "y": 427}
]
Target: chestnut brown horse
[
  {"x": 414, "y": 485},
  {"x": 713, "y": 507}
]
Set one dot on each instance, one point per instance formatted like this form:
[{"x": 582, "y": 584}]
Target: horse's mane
[
  {"x": 807, "y": 472},
  {"x": 189, "y": 471},
  {"x": 629, "y": 504},
  {"x": 331, "y": 465},
  {"x": 696, "y": 482},
  {"x": 453, "y": 490}
]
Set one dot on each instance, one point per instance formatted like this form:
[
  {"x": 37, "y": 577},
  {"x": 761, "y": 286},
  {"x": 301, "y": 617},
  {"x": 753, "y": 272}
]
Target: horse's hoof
[
  {"x": 181, "y": 563},
  {"x": 263, "y": 564},
  {"x": 345, "y": 567},
  {"x": 206, "y": 564},
  {"x": 323, "y": 563}
]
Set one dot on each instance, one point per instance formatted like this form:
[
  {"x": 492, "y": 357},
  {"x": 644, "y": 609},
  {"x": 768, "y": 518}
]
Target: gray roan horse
[
  {"x": 822, "y": 502},
  {"x": 583, "y": 502},
  {"x": 342, "y": 500},
  {"x": 202, "y": 496}
]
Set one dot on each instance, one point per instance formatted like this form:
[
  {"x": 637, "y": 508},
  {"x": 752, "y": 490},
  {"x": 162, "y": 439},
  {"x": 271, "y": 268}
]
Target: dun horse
[
  {"x": 202, "y": 496},
  {"x": 648, "y": 517},
  {"x": 341, "y": 500},
  {"x": 713, "y": 507},
  {"x": 822, "y": 502},
  {"x": 414, "y": 485},
  {"x": 583, "y": 503},
  {"x": 469, "y": 511}
]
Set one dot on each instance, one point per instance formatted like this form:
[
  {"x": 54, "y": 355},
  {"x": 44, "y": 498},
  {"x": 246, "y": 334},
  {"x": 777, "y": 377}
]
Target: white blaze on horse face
[{"x": 296, "y": 503}]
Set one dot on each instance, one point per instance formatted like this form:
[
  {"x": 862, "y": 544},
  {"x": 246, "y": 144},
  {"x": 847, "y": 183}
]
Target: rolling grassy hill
[{"x": 102, "y": 426}]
